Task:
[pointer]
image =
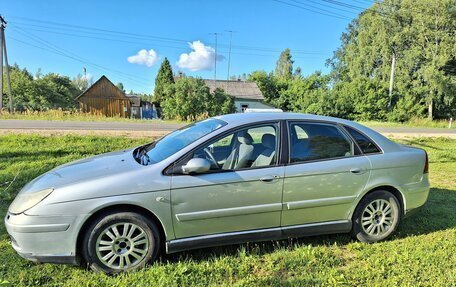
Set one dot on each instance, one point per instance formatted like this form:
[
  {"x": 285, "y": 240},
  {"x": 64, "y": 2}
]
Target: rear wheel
[
  {"x": 376, "y": 217},
  {"x": 120, "y": 242}
]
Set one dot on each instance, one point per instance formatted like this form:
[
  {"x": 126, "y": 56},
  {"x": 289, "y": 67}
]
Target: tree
[
  {"x": 220, "y": 103},
  {"x": 419, "y": 35},
  {"x": 50, "y": 91},
  {"x": 162, "y": 81},
  {"x": 284, "y": 66},
  {"x": 21, "y": 86},
  {"x": 266, "y": 84},
  {"x": 297, "y": 72},
  {"x": 189, "y": 99},
  {"x": 80, "y": 82},
  {"x": 120, "y": 86},
  {"x": 55, "y": 91}
]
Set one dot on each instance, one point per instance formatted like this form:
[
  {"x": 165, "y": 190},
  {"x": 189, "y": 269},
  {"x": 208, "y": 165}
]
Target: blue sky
[{"x": 127, "y": 40}]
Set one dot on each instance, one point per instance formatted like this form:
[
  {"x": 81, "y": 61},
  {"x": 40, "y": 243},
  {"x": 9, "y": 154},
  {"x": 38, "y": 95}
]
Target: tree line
[
  {"x": 43, "y": 92},
  {"x": 396, "y": 61}
]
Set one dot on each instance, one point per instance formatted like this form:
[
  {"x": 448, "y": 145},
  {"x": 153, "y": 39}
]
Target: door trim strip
[
  {"x": 319, "y": 202},
  {"x": 234, "y": 211}
]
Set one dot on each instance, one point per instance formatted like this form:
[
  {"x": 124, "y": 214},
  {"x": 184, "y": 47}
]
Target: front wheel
[
  {"x": 376, "y": 217},
  {"x": 120, "y": 242}
]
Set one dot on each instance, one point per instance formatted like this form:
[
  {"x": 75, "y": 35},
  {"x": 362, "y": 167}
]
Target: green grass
[
  {"x": 413, "y": 123},
  {"x": 59, "y": 115},
  {"x": 422, "y": 253}
]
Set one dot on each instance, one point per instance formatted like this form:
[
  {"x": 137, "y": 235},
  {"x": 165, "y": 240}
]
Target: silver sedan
[{"x": 224, "y": 180}]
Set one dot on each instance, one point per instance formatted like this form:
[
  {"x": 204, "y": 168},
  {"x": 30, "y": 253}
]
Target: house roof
[
  {"x": 237, "y": 89},
  {"x": 134, "y": 99},
  {"x": 103, "y": 77}
]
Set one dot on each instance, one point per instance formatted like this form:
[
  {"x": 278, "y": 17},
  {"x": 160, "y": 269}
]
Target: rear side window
[
  {"x": 366, "y": 145},
  {"x": 317, "y": 141}
]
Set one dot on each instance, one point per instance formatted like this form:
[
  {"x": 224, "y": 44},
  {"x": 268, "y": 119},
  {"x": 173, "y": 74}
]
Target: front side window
[
  {"x": 176, "y": 141},
  {"x": 366, "y": 145},
  {"x": 245, "y": 148},
  {"x": 317, "y": 141}
]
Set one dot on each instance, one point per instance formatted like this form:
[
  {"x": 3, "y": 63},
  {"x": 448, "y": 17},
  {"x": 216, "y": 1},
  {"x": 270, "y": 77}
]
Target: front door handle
[{"x": 269, "y": 178}]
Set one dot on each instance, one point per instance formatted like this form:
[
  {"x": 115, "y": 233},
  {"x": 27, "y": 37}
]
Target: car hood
[{"x": 107, "y": 164}]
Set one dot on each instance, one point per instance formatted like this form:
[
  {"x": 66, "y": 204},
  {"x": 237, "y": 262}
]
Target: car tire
[
  {"x": 120, "y": 242},
  {"x": 376, "y": 217}
]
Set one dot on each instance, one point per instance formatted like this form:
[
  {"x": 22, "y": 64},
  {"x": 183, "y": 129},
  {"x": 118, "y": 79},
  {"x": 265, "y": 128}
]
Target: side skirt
[{"x": 277, "y": 233}]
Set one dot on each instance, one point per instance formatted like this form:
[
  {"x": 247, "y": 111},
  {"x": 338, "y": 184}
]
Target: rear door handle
[
  {"x": 357, "y": 170},
  {"x": 269, "y": 178}
]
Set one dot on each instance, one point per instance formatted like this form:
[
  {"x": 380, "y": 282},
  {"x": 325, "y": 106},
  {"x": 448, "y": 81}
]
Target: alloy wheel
[
  {"x": 122, "y": 245},
  {"x": 377, "y": 218}
]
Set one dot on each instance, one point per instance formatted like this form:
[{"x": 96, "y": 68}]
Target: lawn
[
  {"x": 422, "y": 253},
  {"x": 413, "y": 123}
]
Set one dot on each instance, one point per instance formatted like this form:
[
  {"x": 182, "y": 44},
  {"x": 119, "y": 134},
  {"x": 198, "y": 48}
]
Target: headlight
[{"x": 27, "y": 200}]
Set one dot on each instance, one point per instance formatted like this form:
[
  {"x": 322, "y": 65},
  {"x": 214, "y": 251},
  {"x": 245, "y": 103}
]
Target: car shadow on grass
[{"x": 436, "y": 215}]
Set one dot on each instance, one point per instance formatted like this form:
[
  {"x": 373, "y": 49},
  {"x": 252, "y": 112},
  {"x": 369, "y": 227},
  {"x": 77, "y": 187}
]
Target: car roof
[
  {"x": 245, "y": 118},
  {"x": 241, "y": 118}
]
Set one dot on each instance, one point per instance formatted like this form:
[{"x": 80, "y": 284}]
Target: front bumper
[{"x": 44, "y": 238}]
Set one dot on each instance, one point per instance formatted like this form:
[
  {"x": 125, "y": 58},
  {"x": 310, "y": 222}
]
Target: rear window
[
  {"x": 317, "y": 141},
  {"x": 366, "y": 145}
]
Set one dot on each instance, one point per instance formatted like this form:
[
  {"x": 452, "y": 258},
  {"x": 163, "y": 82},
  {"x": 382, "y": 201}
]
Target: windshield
[{"x": 177, "y": 140}]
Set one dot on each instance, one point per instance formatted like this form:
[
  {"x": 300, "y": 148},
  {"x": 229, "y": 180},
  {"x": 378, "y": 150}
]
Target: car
[{"x": 224, "y": 180}]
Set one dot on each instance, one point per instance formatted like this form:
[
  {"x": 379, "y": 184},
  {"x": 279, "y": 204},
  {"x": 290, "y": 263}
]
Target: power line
[
  {"x": 81, "y": 59},
  {"x": 328, "y": 6},
  {"x": 96, "y": 38},
  {"x": 111, "y": 33},
  {"x": 274, "y": 52},
  {"x": 350, "y": 6},
  {"x": 65, "y": 53},
  {"x": 61, "y": 54},
  {"x": 311, "y": 10},
  {"x": 321, "y": 9},
  {"x": 98, "y": 29}
]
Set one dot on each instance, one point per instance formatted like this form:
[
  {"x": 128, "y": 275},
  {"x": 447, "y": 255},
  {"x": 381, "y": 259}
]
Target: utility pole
[
  {"x": 229, "y": 61},
  {"x": 393, "y": 67},
  {"x": 215, "y": 61},
  {"x": 2, "y": 27},
  {"x": 4, "y": 53}
]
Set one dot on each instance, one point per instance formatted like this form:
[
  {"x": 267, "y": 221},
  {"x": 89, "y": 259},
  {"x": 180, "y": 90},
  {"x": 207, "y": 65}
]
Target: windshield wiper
[{"x": 145, "y": 160}]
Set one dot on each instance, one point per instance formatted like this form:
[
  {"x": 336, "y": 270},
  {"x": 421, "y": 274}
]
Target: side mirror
[{"x": 196, "y": 165}]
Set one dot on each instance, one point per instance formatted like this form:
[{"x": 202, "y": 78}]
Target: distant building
[
  {"x": 141, "y": 109},
  {"x": 104, "y": 98},
  {"x": 246, "y": 95}
]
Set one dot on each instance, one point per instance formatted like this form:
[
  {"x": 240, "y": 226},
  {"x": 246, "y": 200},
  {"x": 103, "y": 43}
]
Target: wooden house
[{"x": 104, "y": 98}]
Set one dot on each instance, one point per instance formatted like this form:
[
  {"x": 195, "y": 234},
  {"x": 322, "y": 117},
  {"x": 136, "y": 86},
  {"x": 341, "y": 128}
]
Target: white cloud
[
  {"x": 144, "y": 57},
  {"x": 201, "y": 58}
]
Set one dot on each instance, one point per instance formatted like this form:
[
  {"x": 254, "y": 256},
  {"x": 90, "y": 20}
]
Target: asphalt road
[
  {"x": 37, "y": 125},
  {"x": 82, "y": 125}
]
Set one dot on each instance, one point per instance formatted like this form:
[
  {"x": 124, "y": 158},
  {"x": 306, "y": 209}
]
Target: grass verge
[
  {"x": 59, "y": 115},
  {"x": 422, "y": 253}
]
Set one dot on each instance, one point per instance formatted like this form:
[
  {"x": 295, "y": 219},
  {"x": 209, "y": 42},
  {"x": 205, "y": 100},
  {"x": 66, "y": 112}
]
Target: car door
[
  {"x": 242, "y": 190},
  {"x": 326, "y": 173}
]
